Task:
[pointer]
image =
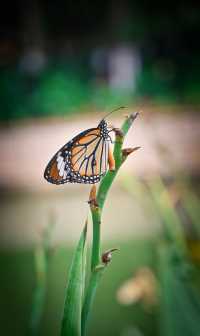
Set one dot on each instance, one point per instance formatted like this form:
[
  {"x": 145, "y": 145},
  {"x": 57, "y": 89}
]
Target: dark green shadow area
[{"x": 108, "y": 317}]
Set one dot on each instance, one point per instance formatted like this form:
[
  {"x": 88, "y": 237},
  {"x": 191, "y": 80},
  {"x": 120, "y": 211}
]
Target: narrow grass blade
[
  {"x": 39, "y": 291},
  {"x": 191, "y": 203},
  {"x": 42, "y": 256},
  {"x": 71, "y": 323},
  {"x": 180, "y": 297}
]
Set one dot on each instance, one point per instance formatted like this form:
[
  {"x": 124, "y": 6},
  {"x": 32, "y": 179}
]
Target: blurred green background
[
  {"x": 63, "y": 66},
  {"x": 57, "y": 59}
]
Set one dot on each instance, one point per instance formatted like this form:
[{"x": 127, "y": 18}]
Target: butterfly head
[{"x": 103, "y": 126}]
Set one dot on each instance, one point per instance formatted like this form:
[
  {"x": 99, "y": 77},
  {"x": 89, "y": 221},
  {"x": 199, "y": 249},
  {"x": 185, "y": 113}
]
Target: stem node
[
  {"x": 107, "y": 256},
  {"x": 127, "y": 151}
]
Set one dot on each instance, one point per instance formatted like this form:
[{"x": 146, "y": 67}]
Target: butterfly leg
[
  {"x": 111, "y": 160},
  {"x": 110, "y": 139}
]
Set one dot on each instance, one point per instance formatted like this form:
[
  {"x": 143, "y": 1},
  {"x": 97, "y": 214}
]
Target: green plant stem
[
  {"x": 109, "y": 178},
  {"x": 97, "y": 267},
  {"x": 119, "y": 159},
  {"x": 90, "y": 295},
  {"x": 96, "y": 220}
]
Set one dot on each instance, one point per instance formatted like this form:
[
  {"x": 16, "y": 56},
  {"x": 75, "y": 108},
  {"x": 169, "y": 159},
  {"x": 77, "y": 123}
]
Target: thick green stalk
[
  {"x": 109, "y": 178},
  {"x": 97, "y": 267},
  {"x": 119, "y": 159},
  {"x": 96, "y": 220},
  {"x": 90, "y": 295}
]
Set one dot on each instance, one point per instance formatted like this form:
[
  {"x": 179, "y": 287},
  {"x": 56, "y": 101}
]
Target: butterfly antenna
[{"x": 119, "y": 108}]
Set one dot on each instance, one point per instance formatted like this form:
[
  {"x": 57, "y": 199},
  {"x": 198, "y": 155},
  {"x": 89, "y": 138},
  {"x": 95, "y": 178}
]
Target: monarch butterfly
[{"x": 84, "y": 159}]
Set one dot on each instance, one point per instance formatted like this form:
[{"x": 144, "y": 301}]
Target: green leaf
[{"x": 71, "y": 323}]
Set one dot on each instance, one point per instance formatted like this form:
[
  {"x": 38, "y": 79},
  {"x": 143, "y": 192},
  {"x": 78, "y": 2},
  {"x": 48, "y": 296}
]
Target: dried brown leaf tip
[
  {"x": 111, "y": 160},
  {"x": 107, "y": 256},
  {"x": 118, "y": 132},
  {"x": 92, "y": 198},
  {"x": 128, "y": 151},
  {"x": 133, "y": 116}
]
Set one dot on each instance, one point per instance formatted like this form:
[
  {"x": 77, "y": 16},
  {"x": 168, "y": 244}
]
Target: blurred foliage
[
  {"x": 54, "y": 92},
  {"x": 177, "y": 247},
  {"x": 165, "y": 34},
  {"x": 180, "y": 295},
  {"x": 63, "y": 90}
]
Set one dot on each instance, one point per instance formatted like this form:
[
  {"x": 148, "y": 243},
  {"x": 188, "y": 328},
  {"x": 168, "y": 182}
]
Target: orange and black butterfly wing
[
  {"x": 89, "y": 159},
  {"x": 82, "y": 160}
]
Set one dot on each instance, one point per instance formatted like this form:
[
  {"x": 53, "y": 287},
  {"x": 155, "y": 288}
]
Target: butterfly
[{"x": 84, "y": 159}]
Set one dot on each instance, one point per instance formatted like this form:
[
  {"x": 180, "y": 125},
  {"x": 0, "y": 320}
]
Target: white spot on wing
[
  {"x": 62, "y": 168},
  {"x": 60, "y": 163},
  {"x": 59, "y": 158}
]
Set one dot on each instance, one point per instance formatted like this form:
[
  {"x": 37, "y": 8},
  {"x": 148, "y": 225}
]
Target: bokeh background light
[{"x": 63, "y": 66}]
